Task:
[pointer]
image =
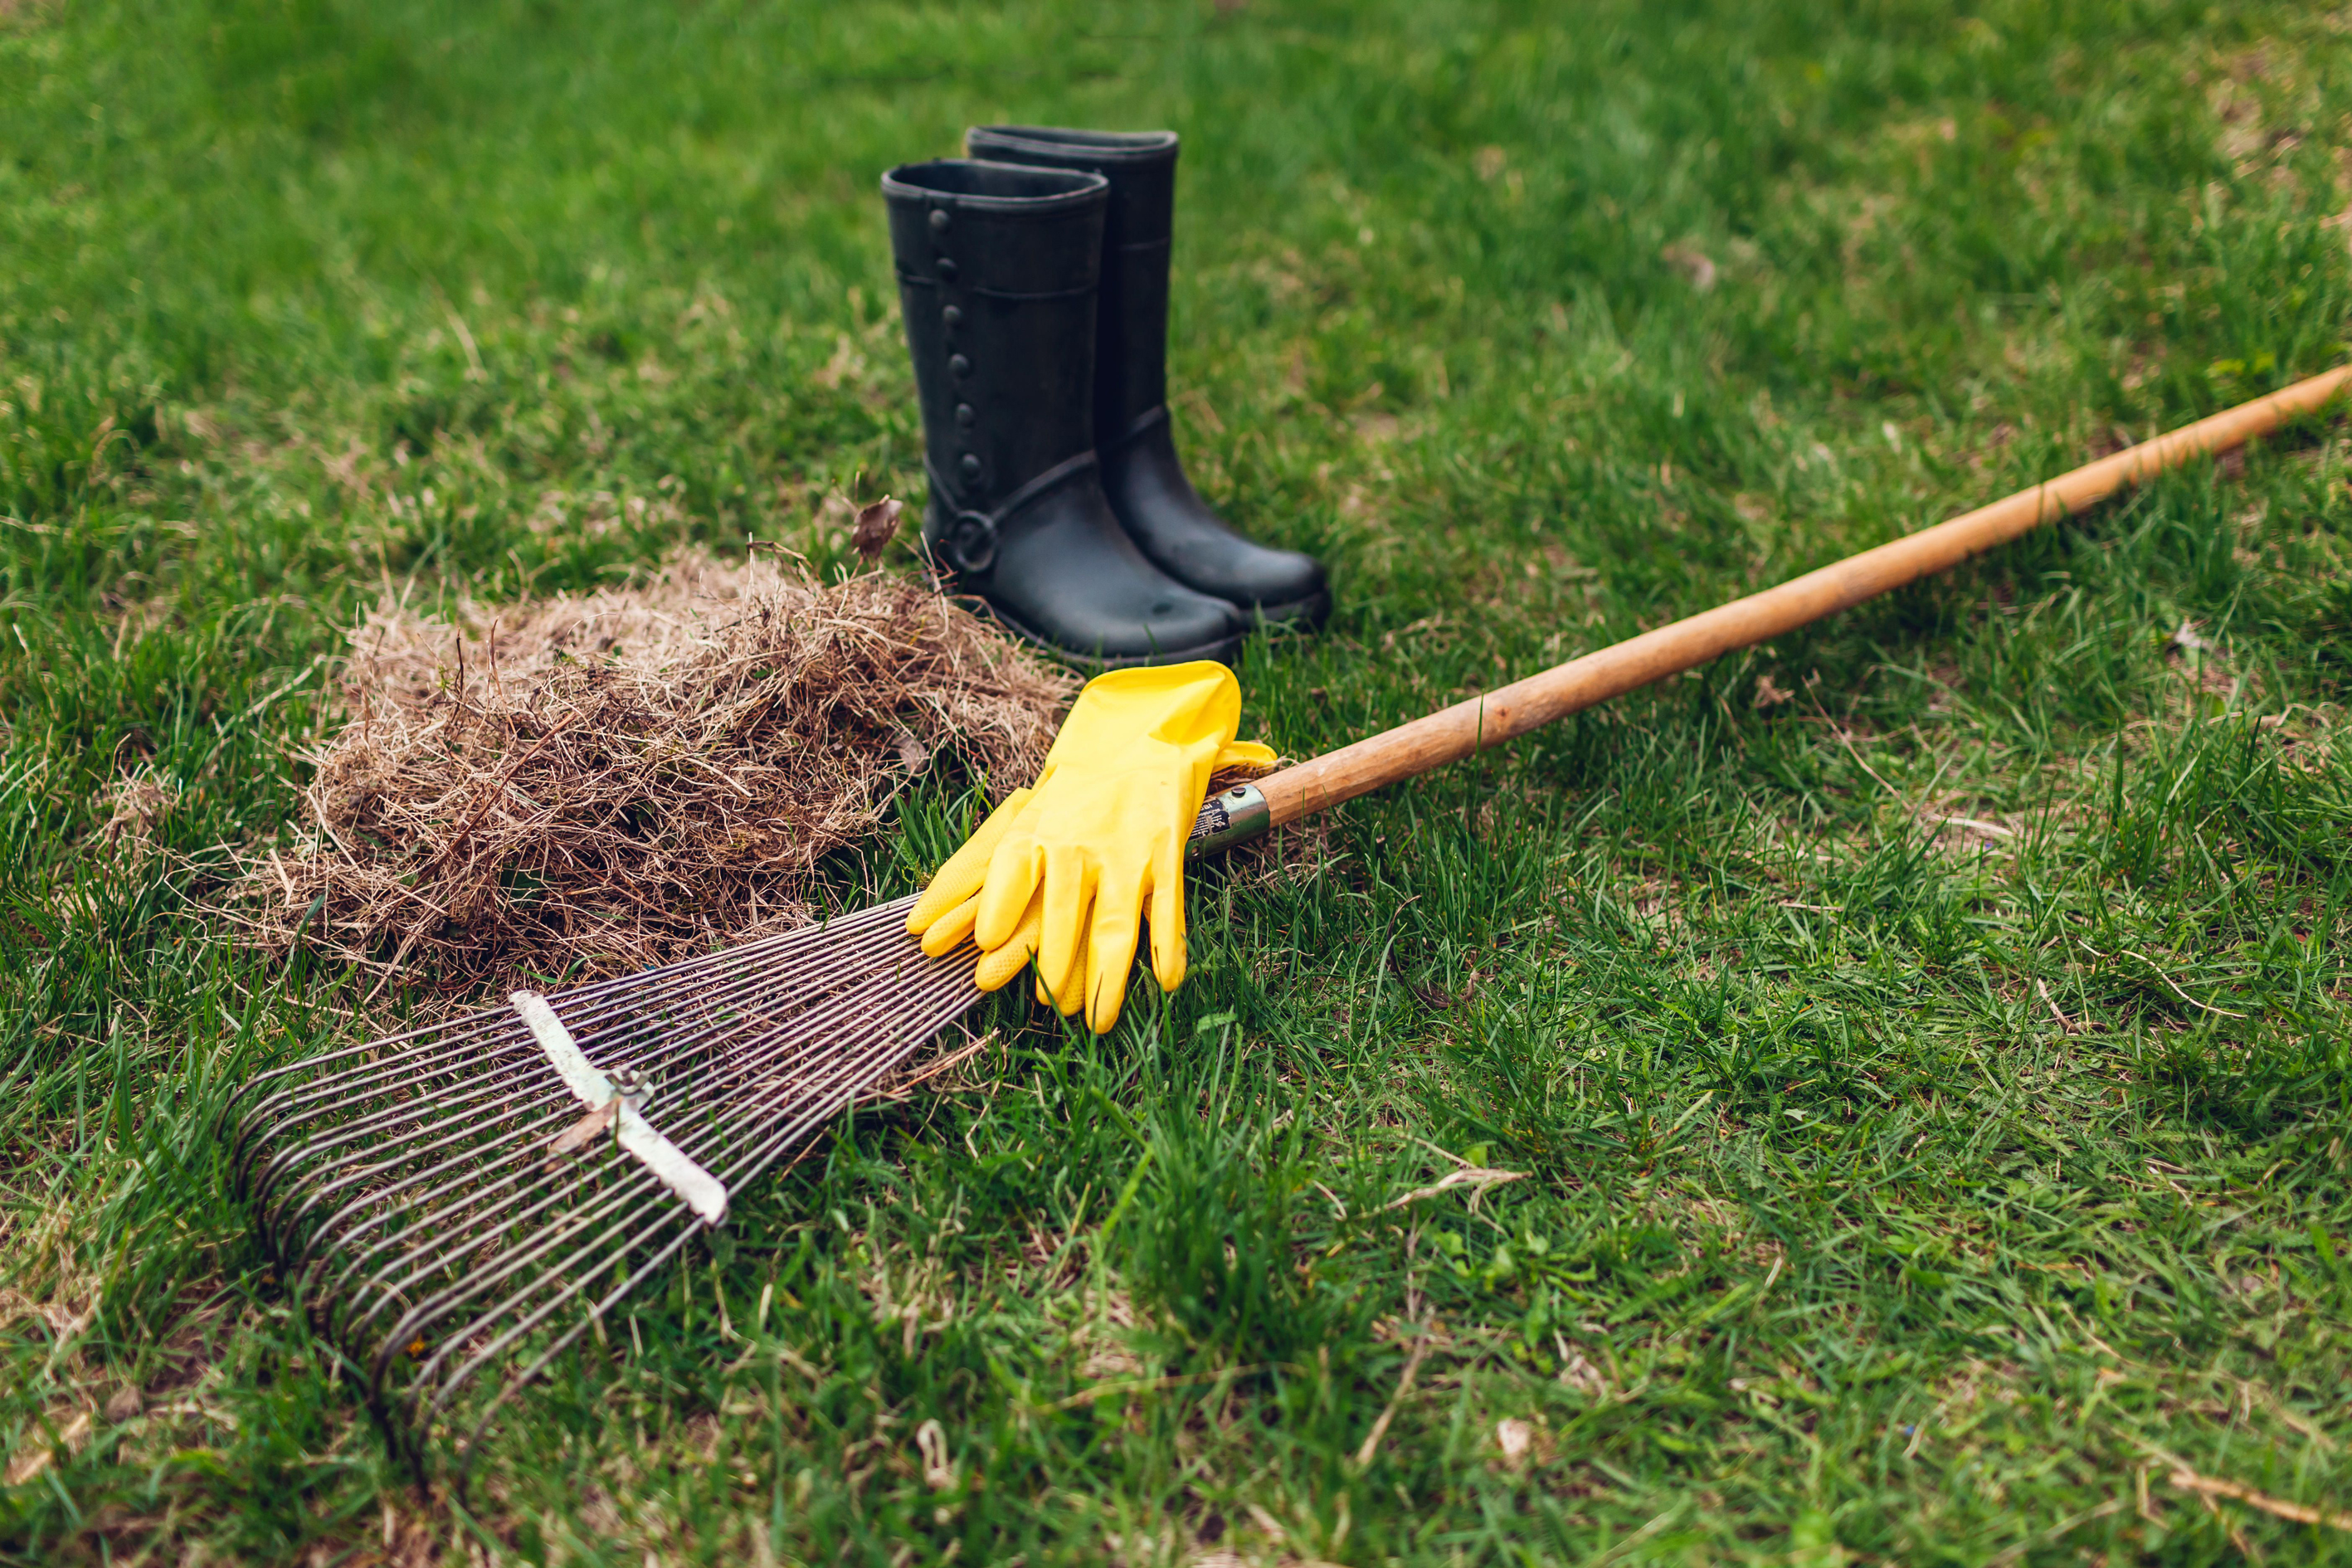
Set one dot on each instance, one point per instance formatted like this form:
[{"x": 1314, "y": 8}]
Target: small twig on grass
[
  {"x": 2237, "y": 1537},
  {"x": 1838, "y": 730},
  {"x": 1477, "y": 1177},
  {"x": 1977, "y": 823},
  {"x": 1388, "y": 1414},
  {"x": 1154, "y": 1385},
  {"x": 263, "y": 705},
  {"x": 2052, "y": 1003},
  {"x": 904, "y": 1089},
  {"x": 1642, "y": 1535},
  {"x": 2188, "y": 1480},
  {"x": 2184, "y": 996},
  {"x": 2160, "y": 974}
]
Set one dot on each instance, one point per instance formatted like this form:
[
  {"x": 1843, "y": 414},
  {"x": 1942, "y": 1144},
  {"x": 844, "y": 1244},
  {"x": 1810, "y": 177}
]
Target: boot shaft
[
  {"x": 999, "y": 267},
  {"x": 1132, "y": 330}
]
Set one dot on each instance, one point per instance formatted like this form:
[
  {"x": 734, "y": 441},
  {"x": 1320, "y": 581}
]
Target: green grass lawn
[{"x": 1924, "y": 1040}]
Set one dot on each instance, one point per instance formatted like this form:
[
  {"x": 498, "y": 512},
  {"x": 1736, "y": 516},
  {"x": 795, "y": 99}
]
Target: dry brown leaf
[
  {"x": 34, "y": 1459},
  {"x": 583, "y": 1133},
  {"x": 1515, "y": 1438},
  {"x": 1695, "y": 265},
  {"x": 877, "y": 526}
]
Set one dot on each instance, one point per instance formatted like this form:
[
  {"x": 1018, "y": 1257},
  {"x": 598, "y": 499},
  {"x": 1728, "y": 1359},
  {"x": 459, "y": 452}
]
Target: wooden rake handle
[{"x": 1476, "y": 723}]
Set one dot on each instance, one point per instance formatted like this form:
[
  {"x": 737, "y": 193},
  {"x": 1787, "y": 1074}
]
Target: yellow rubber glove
[{"x": 1064, "y": 870}]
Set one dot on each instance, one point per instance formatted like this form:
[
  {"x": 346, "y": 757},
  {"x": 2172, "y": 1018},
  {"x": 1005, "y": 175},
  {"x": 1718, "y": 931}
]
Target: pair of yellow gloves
[{"x": 1064, "y": 871}]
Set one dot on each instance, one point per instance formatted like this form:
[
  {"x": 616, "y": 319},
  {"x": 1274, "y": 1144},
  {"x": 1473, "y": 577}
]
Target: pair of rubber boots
[{"x": 1033, "y": 280}]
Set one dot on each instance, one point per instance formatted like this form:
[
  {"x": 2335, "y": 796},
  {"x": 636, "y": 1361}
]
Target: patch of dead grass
[{"x": 596, "y": 784}]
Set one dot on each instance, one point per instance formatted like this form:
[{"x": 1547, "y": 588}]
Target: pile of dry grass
[{"x": 591, "y": 785}]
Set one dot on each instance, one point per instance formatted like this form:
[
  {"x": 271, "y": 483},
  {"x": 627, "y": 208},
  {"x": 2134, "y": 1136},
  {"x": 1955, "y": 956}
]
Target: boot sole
[
  {"x": 1225, "y": 651},
  {"x": 1306, "y": 614}
]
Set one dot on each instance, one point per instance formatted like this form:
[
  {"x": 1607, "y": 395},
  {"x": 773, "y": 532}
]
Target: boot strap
[
  {"x": 1155, "y": 414},
  {"x": 969, "y": 540}
]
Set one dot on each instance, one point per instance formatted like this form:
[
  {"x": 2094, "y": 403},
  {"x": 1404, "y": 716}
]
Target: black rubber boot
[
  {"x": 998, "y": 268},
  {"x": 1141, "y": 473}
]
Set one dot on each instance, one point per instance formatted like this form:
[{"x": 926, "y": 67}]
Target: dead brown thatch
[{"x": 592, "y": 786}]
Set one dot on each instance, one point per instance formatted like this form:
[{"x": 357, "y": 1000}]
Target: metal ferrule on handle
[{"x": 1228, "y": 819}]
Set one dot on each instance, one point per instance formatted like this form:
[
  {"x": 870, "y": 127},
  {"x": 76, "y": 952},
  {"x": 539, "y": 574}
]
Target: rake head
[{"x": 475, "y": 1195}]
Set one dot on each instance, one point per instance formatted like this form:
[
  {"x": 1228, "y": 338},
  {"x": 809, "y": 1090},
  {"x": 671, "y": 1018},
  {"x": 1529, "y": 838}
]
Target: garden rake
[{"x": 481, "y": 1193}]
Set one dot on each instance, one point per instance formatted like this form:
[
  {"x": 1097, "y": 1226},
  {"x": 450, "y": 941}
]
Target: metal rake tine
[
  {"x": 262, "y": 1078},
  {"x": 846, "y": 1084},
  {"x": 502, "y": 1078},
  {"x": 876, "y": 1064},
  {"x": 453, "y": 1042},
  {"x": 429, "y": 1126},
  {"x": 507, "y": 1083},
  {"x": 613, "y": 1257},
  {"x": 816, "y": 1030},
  {"x": 458, "y": 1035},
  {"x": 509, "y": 1282},
  {"x": 525, "y": 1096},
  {"x": 952, "y": 1002},
  {"x": 519, "y": 1101},
  {"x": 288, "y": 1097},
  {"x": 650, "y": 1193},
  {"x": 521, "y": 1201},
  {"x": 513, "y": 1187},
  {"x": 402, "y": 1178},
  {"x": 571, "y": 1337},
  {"x": 612, "y": 1036},
  {"x": 365, "y": 1089},
  {"x": 811, "y": 934}
]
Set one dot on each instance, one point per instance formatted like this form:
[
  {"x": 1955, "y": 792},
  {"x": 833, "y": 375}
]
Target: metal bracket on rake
[
  {"x": 411, "y": 1195},
  {"x": 700, "y": 1191}
]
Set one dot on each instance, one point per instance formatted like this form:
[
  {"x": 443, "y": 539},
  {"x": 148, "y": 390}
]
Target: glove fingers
[
  {"x": 1244, "y": 755},
  {"x": 1068, "y": 896},
  {"x": 947, "y": 932},
  {"x": 1168, "y": 956},
  {"x": 999, "y": 965},
  {"x": 1014, "y": 873},
  {"x": 1071, "y": 999},
  {"x": 961, "y": 874},
  {"x": 1111, "y": 945}
]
